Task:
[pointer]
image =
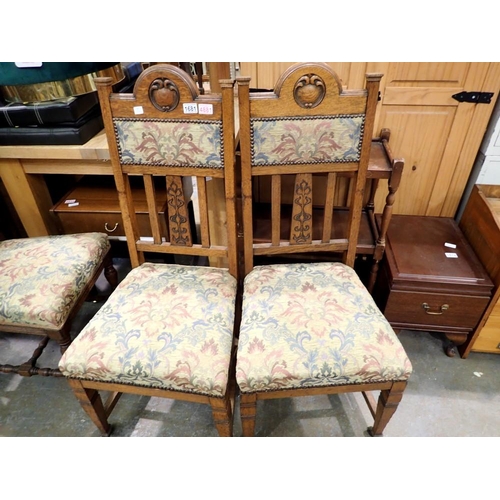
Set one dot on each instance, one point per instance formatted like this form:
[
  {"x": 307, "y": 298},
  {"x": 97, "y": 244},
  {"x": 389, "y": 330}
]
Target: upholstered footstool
[
  {"x": 313, "y": 327},
  {"x": 44, "y": 280},
  {"x": 167, "y": 330}
]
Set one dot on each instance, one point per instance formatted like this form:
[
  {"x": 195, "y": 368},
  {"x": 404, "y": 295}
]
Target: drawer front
[
  {"x": 109, "y": 223},
  {"x": 434, "y": 309}
]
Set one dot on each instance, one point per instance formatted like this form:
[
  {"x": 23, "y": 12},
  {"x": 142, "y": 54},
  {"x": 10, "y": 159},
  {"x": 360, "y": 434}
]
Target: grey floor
[{"x": 445, "y": 397}]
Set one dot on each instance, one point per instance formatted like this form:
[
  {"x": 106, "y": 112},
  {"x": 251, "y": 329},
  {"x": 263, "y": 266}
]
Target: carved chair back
[
  {"x": 166, "y": 132},
  {"x": 311, "y": 129}
]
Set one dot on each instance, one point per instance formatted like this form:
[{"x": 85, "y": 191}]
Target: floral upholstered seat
[
  {"x": 165, "y": 326},
  {"x": 313, "y": 325},
  {"x": 42, "y": 278}
]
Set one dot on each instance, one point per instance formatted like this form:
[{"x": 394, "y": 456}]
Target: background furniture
[
  {"x": 24, "y": 171},
  {"x": 96, "y": 207},
  {"x": 420, "y": 288},
  {"x": 167, "y": 330},
  {"x": 480, "y": 223}
]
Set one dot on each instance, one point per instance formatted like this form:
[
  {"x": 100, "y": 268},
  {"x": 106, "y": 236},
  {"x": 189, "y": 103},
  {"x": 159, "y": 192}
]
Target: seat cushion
[
  {"x": 165, "y": 326},
  {"x": 313, "y": 325},
  {"x": 41, "y": 278}
]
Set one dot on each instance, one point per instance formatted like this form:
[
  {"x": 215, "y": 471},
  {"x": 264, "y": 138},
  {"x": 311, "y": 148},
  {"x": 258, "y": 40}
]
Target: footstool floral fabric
[
  {"x": 313, "y": 325},
  {"x": 165, "y": 326},
  {"x": 41, "y": 278}
]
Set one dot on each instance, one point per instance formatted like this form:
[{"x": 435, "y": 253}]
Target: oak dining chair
[{"x": 310, "y": 328}]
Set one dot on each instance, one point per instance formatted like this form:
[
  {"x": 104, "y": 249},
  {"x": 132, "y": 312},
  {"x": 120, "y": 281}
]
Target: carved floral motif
[
  {"x": 309, "y": 91},
  {"x": 177, "y": 213},
  {"x": 302, "y": 212},
  {"x": 164, "y": 94}
]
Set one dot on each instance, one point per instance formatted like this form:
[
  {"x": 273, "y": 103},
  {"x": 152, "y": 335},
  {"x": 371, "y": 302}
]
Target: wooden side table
[{"x": 431, "y": 279}]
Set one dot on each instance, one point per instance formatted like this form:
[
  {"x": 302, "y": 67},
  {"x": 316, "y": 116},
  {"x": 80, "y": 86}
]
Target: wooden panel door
[{"x": 436, "y": 135}]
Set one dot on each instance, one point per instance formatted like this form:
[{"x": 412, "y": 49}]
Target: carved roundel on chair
[
  {"x": 164, "y": 94},
  {"x": 309, "y": 91}
]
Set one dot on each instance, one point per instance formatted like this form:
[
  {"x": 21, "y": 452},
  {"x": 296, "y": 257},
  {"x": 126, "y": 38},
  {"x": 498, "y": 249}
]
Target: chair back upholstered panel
[
  {"x": 306, "y": 140},
  {"x": 170, "y": 142},
  {"x": 172, "y": 137},
  {"x": 313, "y": 130}
]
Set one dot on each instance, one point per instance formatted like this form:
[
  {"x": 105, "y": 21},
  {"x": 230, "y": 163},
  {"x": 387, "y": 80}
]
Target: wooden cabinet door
[{"x": 436, "y": 135}]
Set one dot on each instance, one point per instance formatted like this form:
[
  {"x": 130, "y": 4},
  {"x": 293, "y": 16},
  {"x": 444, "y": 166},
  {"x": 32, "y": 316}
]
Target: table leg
[
  {"x": 217, "y": 71},
  {"x": 30, "y": 196}
]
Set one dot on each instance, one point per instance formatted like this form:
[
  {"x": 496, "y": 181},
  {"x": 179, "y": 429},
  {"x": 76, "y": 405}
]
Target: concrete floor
[{"x": 445, "y": 397}]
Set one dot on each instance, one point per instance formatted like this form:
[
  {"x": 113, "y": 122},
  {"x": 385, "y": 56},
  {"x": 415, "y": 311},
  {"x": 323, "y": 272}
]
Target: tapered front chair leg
[
  {"x": 91, "y": 402},
  {"x": 223, "y": 416},
  {"x": 387, "y": 404},
  {"x": 248, "y": 409}
]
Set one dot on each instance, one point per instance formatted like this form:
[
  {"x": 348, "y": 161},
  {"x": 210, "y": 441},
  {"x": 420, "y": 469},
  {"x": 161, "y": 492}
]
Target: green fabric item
[{"x": 10, "y": 74}]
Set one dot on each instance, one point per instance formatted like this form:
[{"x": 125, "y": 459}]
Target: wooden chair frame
[
  {"x": 280, "y": 104},
  {"x": 156, "y": 107}
]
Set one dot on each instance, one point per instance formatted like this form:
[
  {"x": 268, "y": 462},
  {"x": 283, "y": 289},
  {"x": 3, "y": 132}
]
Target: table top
[
  {"x": 95, "y": 149},
  {"x": 432, "y": 249}
]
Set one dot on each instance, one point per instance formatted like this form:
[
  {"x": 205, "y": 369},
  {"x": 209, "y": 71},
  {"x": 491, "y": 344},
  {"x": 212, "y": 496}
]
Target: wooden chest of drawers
[
  {"x": 480, "y": 223},
  {"x": 431, "y": 279},
  {"x": 96, "y": 208}
]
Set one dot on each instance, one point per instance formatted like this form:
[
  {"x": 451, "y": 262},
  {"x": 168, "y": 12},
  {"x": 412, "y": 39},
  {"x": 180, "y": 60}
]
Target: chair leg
[
  {"x": 110, "y": 272},
  {"x": 29, "y": 368},
  {"x": 373, "y": 276},
  {"x": 91, "y": 402},
  {"x": 64, "y": 342},
  {"x": 248, "y": 409},
  {"x": 223, "y": 415},
  {"x": 387, "y": 404}
]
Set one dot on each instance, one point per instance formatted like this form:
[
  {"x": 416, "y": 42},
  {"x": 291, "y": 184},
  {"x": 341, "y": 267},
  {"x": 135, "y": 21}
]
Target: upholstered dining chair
[
  {"x": 43, "y": 283},
  {"x": 167, "y": 330},
  {"x": 310, "y": 328}
]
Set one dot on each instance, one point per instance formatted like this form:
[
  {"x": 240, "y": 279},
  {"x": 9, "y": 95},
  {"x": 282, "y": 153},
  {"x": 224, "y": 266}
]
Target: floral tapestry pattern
[
  {"x": 165, "y": 326},
  {"x": 170, "y": 142},
  {"x": 41, "y": 278},
  {"x": 309, "y": 140},
  {"x": 313, "y": 325}
]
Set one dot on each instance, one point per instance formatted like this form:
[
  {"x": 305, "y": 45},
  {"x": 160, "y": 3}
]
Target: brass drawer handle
[
  {"x": 443, "y": 308},
  {"x": 110, "y": 230}
]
